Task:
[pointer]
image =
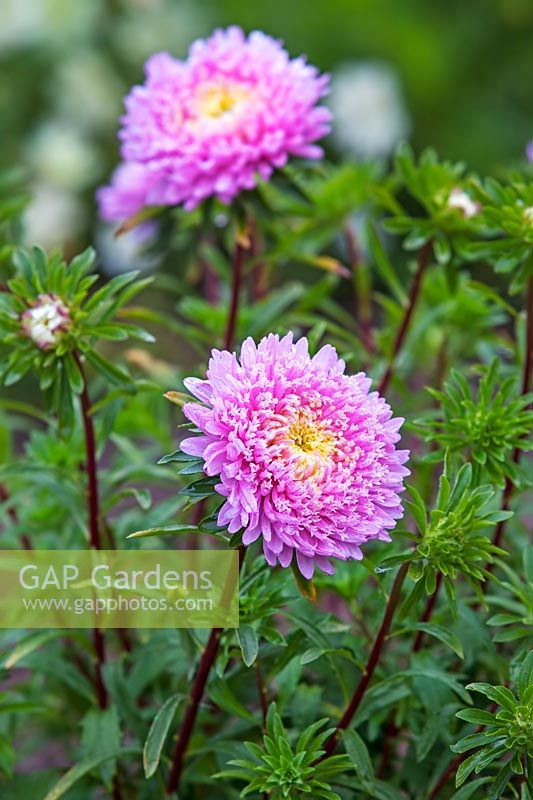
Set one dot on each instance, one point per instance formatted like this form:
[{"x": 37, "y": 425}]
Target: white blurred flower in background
[
  {"x": 127, "y": 251},
  {"x": 87, "y": 90},
  {"x": 369, "y": 113},
  {"x": 22, "y": 21},
  {"x": 60, "y": 153},
  {"x": 150, "y": 26},
  {"x": 27, "y": 22},
  {"x": 53, "y": 217}
]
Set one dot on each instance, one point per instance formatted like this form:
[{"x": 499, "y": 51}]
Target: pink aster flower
[
  {"x": 237, "y": 108},
  {"x": 306, "y": 455},
  {"x": 128, "y": 192}
]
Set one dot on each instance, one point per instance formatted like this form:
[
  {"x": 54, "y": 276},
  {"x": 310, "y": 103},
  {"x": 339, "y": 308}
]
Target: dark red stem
[
  {"x": 428, "y": 611},
  {"x": 363, "y": 300},
  {"x": 372, "y": 662},
  {"x": 236, "y": 284},
  {"x": 261, "y": 688},
  {"x": 24, "y": 538},
  {"x": 445, "y": 777},
  {"x": 93, "y": 512},
  {"x": 195, "y": 698},
  {"x": 259, "y": 271},
  {"x": 423, "y": 259}
]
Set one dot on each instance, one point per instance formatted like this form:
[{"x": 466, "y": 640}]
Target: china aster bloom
[
  {"x": 46, "y": 321},
  {"x": 306, "y": 454},
  {"x": 237, "y": 108},
  {"x": 462, "y": 201}
]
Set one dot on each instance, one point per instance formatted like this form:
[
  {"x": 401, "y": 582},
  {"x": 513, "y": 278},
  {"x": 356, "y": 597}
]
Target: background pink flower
[
  {"x": 306, "y": 456},
  {"x": 236, "y": 109}
]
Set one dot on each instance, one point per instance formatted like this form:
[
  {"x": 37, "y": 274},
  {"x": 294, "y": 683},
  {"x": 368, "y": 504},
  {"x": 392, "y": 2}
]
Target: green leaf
[
  {"x": 153, "y": 746},
  {"x": 476, "y": 716},
  {"x": 500, "y": 782},
  {"x": 101, "y": 735},
  {"x": 499, "y": 694},
  {"x": 418, "y": 509},
  {"x": 442, "y": 677},
  {"x": 107, "y": 369},
  {"x": 384, "y": 266},
  {"x": 30, "y": 644},
  {"x": 222, "y": 695},
  {"x": 466, "y": 792},
  {"x": 249, "y": 643},
  {"x": 476, "y": 760},
  {"x": 525, "y": 675},
  {"x": 82, "y": 769},
  {"x": 359, "y": 756},
  {"x": 163, "y": 530},
  {"x": 442, "y": 634},
  {"x": 305, "y": 586}
]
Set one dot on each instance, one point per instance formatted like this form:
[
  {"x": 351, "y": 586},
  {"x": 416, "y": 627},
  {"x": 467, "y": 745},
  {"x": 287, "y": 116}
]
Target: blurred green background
[{"x": 454, "y": 74}]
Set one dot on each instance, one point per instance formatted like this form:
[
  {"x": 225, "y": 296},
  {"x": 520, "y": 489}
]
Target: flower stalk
[
  {"x": 93, "y": 512},
  {"x": 422, "y": 262},
  {"x": 371, "y": 664},
  {"x": 362, "y": 290},
  {"x": 236, "y": 285},
  {"x": 195, "y": 698},
  {"x": 210, "y": 653}
]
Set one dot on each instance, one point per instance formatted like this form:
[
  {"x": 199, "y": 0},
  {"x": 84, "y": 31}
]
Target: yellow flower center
[
  {"x": 221, "y": 99},
  {"x": 311, "y": 446},
  {"x": 310, "y": 438}
]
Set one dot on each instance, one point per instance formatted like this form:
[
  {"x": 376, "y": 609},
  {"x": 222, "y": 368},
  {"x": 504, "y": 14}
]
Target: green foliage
[
  {"x": 487, "y": 425},
  {"x": 506, "y": 732},
  {"x": 288, "y": 771},
  {"x": 13, "y": 200},
  {"x": 433, "y": 184},
  {"x": 508, "y": 217},
  {"x": 89, "y": 317},
  {"x": 515, "y": 620},
  {"x": 452, "y": 538},
  {"x": 302, "y": 645}
]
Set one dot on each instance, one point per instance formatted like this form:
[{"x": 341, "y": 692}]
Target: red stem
[
  {"x": 363, "y": 301},
  {"x": 236, "y": 283},
  {"x": 423, "y": 259},
  {"x": 93, "y": 512},
  {"x": 445, "y": 777},
  {"x": 259, "y": 271},
  {"x": 210, "y": 653},
  {"x": 195, "y": 698},
  {"x": 372, "y": 662},
  {"x": 261, "y": 688},
  {"x": 454, "y": 764},
  {"x": 428, "y": 611}
]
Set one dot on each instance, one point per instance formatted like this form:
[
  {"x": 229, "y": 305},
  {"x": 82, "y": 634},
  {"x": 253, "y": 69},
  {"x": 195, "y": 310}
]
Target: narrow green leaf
[
  {"x": 153, "y": 747},
  {"x": 163, "y": 530},
  {"x": 442, "y": 634},
  {"x": 82, "y": 769},
  {"x": 30, "y": 644},
  {"x": 249, "y": 643},
  {"x": 358, "y": 754}
]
